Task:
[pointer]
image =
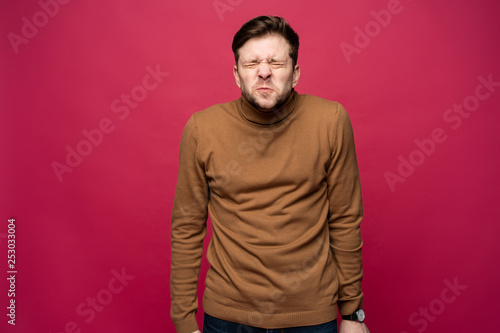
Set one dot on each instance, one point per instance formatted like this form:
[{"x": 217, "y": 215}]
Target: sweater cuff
[
  {"x": 186, "y": 325},
  {"x": 348, "y": 307}
]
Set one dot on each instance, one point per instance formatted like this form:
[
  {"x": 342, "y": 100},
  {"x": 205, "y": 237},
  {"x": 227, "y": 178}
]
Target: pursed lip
[{"x": 265, "y": 89}]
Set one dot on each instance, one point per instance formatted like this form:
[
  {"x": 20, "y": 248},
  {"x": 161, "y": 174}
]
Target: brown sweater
[{"x": 283, "y": 194}]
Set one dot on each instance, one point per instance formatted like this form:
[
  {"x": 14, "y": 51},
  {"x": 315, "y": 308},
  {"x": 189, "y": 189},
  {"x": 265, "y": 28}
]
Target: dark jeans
[{"x": 215, "y": 325}]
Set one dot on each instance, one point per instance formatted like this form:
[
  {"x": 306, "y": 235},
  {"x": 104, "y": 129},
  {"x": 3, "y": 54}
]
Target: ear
[
  {"x": 296, "y": 76},
  {"x": 236, "y": 76}
]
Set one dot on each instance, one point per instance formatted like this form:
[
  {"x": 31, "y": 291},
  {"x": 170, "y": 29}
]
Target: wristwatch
[{"x": 358, "y": 315}]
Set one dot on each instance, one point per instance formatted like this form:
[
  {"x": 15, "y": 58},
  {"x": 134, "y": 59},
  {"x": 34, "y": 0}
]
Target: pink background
[{"x": 432, "y": 227}]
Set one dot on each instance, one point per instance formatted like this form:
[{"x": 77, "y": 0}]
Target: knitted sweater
[{"x": 283, "y": 194}]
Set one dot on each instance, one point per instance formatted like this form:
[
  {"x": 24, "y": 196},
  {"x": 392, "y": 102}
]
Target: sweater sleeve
[
  {"x": 189, "y": 216},
  {"x": 345, "y": 213}
]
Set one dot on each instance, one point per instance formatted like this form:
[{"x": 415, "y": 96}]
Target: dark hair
[{"x": 266, "y": 25}]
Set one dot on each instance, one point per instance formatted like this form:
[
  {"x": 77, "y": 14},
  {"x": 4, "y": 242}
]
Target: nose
[{"x": 264, "y": 70}]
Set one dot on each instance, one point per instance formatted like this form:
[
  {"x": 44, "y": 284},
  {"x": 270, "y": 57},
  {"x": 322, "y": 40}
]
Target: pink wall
[{"x": 115, "y": 81}]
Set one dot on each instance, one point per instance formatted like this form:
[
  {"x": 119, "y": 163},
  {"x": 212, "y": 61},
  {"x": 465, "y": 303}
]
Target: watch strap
[
  {"x": 353, "y": 317},
  {"x": 358, "y": 315}
]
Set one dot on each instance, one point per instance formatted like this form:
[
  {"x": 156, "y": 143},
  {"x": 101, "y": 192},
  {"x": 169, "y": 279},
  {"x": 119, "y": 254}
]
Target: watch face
[{"x": 361, "y": 315}]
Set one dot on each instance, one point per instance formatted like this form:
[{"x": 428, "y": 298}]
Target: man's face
[{"x": 264, "y": 72}]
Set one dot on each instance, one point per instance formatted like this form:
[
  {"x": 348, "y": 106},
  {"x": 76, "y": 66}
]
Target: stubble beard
[{"x": 269, "y": 106}]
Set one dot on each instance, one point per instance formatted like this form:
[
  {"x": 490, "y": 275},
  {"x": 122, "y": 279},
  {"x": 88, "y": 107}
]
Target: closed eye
[
  {"x": 277, "y": 64},
  {"x": 273, "y": 63},
  {"x": 251, "y": 64}
]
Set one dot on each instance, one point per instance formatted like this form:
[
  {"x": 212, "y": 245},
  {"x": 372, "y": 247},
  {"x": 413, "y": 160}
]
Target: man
[{"x": 277, "y": 173}]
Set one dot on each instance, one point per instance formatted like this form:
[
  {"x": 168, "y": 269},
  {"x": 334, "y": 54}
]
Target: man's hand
[
  {"x": 198, "y": 331},
  {"x": 349, "y": 326}
]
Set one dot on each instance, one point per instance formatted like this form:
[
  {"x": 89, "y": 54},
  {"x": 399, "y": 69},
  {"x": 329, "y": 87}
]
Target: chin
[
  {"x": 268, "y": 103},
  {"x": 266, "y": 106}
]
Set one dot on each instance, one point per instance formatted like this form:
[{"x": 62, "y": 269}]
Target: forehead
[{"x": 265, "y": 47}]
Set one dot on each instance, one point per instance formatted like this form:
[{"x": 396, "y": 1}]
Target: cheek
[
  {"x": 247, "y": 80},
  {"x": 284, "y": 79}
]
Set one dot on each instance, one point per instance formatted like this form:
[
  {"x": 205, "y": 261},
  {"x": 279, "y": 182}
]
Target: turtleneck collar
[{"x": 252, "y": 114}]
